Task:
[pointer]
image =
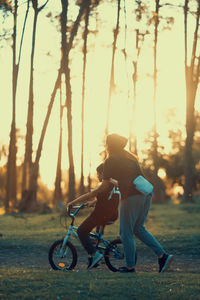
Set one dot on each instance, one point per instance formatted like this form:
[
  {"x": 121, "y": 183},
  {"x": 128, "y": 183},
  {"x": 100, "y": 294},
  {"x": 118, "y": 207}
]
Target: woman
[{"x": 123, "y": 167}]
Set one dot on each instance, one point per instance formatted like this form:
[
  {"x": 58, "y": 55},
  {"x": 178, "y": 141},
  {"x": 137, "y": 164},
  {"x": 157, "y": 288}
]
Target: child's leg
[
  {"x": 97, "y": 229},
  {"x": 100, "y": 229},
  {"x": 83, "y": 233}
]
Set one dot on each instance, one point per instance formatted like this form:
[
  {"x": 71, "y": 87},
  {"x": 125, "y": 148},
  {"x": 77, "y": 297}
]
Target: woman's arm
[{"x": 101, "y": 188}]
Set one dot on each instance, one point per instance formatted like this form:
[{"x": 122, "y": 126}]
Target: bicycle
[{"x": 63, "y": 254}]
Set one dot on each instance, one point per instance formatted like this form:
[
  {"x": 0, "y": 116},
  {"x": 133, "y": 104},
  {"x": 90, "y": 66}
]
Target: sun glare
[{"x": 161, "y": 173}]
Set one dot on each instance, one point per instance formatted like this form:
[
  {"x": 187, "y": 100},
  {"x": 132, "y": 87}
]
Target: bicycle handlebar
[{"x": 76, "y": 211}]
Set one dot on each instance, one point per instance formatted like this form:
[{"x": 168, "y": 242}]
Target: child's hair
[{"x": 99, "y": 169}]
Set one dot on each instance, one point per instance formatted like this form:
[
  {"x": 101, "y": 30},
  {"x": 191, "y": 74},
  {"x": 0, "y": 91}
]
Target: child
[{"x": 106, "y": 209}]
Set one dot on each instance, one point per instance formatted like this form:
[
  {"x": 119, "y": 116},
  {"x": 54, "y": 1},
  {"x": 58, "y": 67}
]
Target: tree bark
[
  {"x": 192, "y": 81},
  {"x": 85, "y": 36},
  {"x": 112, "y": 81},
  {"x": 66, "y": 71},
  {"x": 11, "y": 184},
  {"x": 27, "y": 166},
  {"x": 158, "y": 197},
  {"x": 11, "y": 181},
  {"x": 132, "y": 135},
  {"x": 58, "y": 196}
]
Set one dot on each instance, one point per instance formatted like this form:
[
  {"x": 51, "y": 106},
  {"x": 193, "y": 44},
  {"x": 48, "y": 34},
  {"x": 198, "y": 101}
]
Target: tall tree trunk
[
  {"x": 11, "y": 182},
  {"x": 85, "y": 36},
  {"x": 27, "y": 166},
  {"x": 58, "y": 196},
  {"x": 192, "y": 80},
  {"x": 157, "y": 190},
  {"x": 66, "y": 70},
  {"x": 71, "y": 186},
  {"x": 11, "y": 164},
  {"x": 35, "y": 170},
  {"x": 112, "y": 81},
  {"x": 132, "y": 135},
  {"x": 89, "y": 179}
]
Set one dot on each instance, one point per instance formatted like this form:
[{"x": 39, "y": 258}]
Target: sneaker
[
  {"x": 126, "y": 270},
  {"x": 93, "y": 260},
  {"x": 164, "y": 262}
]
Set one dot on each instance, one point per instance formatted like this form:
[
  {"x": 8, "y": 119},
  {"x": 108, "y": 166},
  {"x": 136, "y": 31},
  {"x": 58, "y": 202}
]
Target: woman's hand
[{"x": 113, "y": 181}]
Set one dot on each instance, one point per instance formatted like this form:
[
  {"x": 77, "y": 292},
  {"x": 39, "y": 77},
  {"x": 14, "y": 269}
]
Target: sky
[{"x": 170, "y": 93}]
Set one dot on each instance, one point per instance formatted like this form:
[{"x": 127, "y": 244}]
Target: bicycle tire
[
  {"x": 64, "y": 263},
  {"x": 114, "y": 256}
]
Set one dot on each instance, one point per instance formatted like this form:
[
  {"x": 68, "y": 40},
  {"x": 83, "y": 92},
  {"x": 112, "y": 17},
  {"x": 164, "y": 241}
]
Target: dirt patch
[{"x": 37, "y": 258}]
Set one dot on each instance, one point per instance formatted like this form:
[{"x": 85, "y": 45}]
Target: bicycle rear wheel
[
  {"x": 65, "y": 259},
  {"x": 114, "y": 256}
]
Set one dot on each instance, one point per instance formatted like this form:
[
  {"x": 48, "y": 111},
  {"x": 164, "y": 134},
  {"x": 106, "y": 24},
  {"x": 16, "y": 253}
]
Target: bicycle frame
[
  {"x": 63, "y": 254},
  {"x": 72, "y": 231}
]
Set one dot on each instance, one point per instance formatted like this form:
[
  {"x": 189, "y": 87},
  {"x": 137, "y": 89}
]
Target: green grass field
[{"x": 26, "y": 274}]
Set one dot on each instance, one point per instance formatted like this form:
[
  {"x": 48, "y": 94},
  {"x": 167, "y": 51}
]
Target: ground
[
  {"x": 36, "y": 258},
  {"x": 25, "y": 241}
]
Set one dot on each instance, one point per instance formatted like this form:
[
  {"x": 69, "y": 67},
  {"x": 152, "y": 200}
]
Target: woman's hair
[
  {"x": 99, "y": 169},
  {"x": 116, "y": 144}
]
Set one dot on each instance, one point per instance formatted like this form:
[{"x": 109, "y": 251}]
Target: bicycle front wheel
[
  {"x": 62, "y": 258},
  {"x": 114, "y": 256}
]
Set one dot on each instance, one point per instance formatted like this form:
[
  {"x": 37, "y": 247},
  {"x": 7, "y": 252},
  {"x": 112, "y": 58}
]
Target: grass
[
  {"x": 176, "y": 226},
  {"x": 47, "y": 284}
]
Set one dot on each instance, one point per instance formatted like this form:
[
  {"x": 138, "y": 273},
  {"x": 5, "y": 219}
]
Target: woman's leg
[
  {"x": 128, "y": 218},
  {"x": 141, "y": 232},
  {"x": 83, "y": 233}
]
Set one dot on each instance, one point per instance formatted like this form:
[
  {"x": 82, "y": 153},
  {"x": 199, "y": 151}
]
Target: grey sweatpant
[{"x": 133, "y": 213}]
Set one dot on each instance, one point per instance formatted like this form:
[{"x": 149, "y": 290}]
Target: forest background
[{"x": 74, "y": 71}]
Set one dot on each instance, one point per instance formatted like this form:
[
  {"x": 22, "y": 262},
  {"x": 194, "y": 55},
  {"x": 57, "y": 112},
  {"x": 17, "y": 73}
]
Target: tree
[
  {"x": 58, "y": 196},
  {"x": 3, "y": 156},
  {"x": 68, "y": 97},
  {"x": 11, "y": 165},
  {"x": 192, "y": 74},
  {"x": 35, "y": 169},
  {"x": 157, "y": 191},
  {"x": 112, "y": 80},
  {"x": 139, "y": 39},
  {"x": 11, "y": 186},
  {"x": 85, "y": 37},
  {"x": 27, "y": 165}
]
